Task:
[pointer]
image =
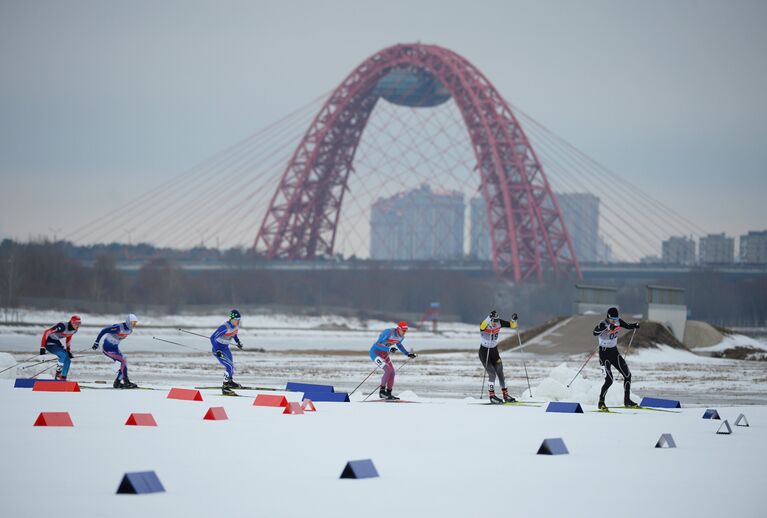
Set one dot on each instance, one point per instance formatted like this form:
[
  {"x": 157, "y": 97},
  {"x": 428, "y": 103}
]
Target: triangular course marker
[
  {"x": 184, "y": 394},
  {"x": 564, "y": 407},
  {"x": 270, "y": 400},
  {"x": 53, "y": 419},
  {"x": 294, "y": 409},
  {"x": 359, "y": 469},
  {"x": 216, "y": 413},
  {"x": 553, "y": 446},
  {"x": 724, "y": 428},
  {"x": 139, "y": 483},
  {"x": 711, "y": 413},
  {"x": 308, "y": 405},
  {"x": 666, "y": 441},
  {"x": 741, "y": 419},
  {"x": 141, "y": 420}
]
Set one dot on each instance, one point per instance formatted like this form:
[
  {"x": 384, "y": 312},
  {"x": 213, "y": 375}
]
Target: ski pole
[
  {"x": 54, "y": 359},
  {"x": 631, "y": 340},
  {"x": 191, "y": 333},
  {"x": 395, "y": 370},
  {"x": 45, "y": 369},
  {"x": 582, "y": 366},
  {"x": 484, "y": 372},
  {"x": 529, "y": 389},
  {"x": 19, "y": 363},
  {"x": 175, "y": 343},
  {"x": 363, "y": 381}
]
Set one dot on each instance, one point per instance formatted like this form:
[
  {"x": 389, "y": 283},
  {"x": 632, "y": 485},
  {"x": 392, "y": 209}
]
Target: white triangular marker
[
  {"x": 724, "y": 428},
  {"x": 741, "y": 418},
  {"x": 666, "y": 441}
]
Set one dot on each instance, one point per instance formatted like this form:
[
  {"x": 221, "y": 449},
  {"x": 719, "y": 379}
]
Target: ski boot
[
  {"x": 59, "y": 376},
  {"x": 226, "y": 391},
  {"x": 507, "y": 397},
  {"x": 127, "y": 384},
  {"x": 628, "y": 403},
  {"x": 117, "y": 384},
  {"x": 230, "y": 384},
  {"x": 602, "y": 407},
  {"x": 382, "y": 393},
  {"x": 390, "y": 397},
  {"x": 495, "y": 400}
]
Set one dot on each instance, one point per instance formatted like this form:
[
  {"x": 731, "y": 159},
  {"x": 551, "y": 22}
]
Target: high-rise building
[
  {"x": 580, "y": 212},
  {"x": 419, "y": 224},
  {"x": 753, "y": 247},
  {"x": 679, "y": 250},
  {"x": 716, "y": 249},
  {"x": 480, "y": 244}
]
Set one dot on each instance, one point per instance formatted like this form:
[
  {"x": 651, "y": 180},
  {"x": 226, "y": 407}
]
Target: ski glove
[
  {"x": 635, "y": 325},
  {"x": 393, "y": 349},
  {"x": 69, "y": 353},
  {"x": 514, "y": 317},
  {"x": 42, "y": 351},
  {"x": 95, "y": 346},
  {"x": 412, "y": 355},
  {"x": 238, "y": 344},
  {"x": 219, "y": 354}
]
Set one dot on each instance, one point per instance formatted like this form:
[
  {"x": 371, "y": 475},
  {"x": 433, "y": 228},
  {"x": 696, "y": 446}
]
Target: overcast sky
[{"x": 102, "y": 100}]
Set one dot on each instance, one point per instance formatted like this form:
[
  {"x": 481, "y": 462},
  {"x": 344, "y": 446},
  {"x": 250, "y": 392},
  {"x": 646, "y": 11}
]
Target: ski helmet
[
  {"x": 612, "y": 314},
  {"x": 402, "y": 326},
  {"x": 234, "y": 315},
  {"x": 75, "y": 321},
  {"x": 131, "y": 319}
]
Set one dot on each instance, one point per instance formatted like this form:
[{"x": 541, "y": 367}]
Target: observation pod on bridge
[{"x": 528, "y": 235}]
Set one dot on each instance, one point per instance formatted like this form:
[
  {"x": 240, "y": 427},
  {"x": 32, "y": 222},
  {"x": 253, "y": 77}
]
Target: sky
[{"x": 100, "y": 101}]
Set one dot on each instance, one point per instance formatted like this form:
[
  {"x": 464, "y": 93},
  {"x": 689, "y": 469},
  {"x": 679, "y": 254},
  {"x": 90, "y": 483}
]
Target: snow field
[{"x": 435, "y": 458}]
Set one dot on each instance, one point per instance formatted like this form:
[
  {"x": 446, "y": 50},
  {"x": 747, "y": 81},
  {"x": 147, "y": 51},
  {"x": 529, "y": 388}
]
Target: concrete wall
[{"x": 673, "y": 316}]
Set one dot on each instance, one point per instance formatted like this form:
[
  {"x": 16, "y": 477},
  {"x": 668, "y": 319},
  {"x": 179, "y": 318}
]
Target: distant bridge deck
[{"x": 590, "y": 270}]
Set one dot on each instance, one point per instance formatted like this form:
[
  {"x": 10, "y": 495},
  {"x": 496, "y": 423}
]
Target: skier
[
  {"x": 220, "y": 341},
  {"x": 51, "y": 343},
  {"x": 114, "y": 335},
  {"x": 607, "y": 333},
  {"x": 389, "y": 341},
  {"x": 488, "y": 354}
]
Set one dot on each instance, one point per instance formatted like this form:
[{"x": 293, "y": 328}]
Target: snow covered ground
[
  {"x": 446, "y": 455},
  {"x": 437, "y": 457}
]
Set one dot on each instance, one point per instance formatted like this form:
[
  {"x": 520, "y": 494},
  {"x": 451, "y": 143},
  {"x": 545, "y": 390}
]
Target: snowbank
[
  {"x": 6, "y": 360},
  {"x": 583, "y": 390}
]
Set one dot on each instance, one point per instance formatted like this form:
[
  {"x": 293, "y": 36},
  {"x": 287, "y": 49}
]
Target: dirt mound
[
  {"x": 701, "y": 334},
  {"x": 742, "y": 353},
  {"x": 528, "y": 334},
  {"x": 651, "y": 334}
]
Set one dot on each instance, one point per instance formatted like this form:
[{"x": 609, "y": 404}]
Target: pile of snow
[
  {"x": 738, "y": 347},
  {"x": 6, "y": 361},
  {"x": 554, "y": 388},
  {"x": 666, "y": 354}
]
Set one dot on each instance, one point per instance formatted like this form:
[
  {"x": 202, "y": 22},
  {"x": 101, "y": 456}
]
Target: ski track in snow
[{"x": 433, "y": 458}]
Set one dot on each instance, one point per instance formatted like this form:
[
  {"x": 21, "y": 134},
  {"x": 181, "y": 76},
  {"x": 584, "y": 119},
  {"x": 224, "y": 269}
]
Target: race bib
[{"x": 379, "y": 361}]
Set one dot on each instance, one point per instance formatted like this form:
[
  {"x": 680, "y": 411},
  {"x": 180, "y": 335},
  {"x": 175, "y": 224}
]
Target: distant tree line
[{"x": 44, "y": 270}]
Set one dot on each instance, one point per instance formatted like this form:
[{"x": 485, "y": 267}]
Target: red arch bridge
[{"x": 409, "y": 115}]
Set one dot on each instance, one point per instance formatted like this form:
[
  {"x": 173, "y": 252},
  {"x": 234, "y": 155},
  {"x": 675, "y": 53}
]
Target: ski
[
  {"x": 390, "y": 401},
  {"x": 515, "y": 403},
  {"x": 606, "y": 411},
  {"x": 650, "y": 408},
  {"x": 230, "y": 393},
  {"x": 245, "y": 388},
  {"x": 112, "y": 388}
]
